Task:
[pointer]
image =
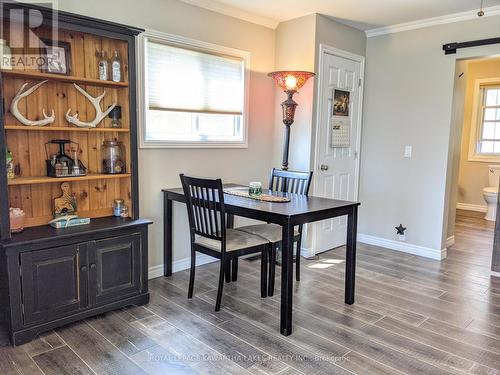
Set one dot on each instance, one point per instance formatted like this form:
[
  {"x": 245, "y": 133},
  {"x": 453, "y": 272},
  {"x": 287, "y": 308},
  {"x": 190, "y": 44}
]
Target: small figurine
[{"x": 66, "y": 203}]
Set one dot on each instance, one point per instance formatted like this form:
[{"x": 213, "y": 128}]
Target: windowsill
[
  {"x": 192, "y": 145},
  {"x": 484, "y": 158}
]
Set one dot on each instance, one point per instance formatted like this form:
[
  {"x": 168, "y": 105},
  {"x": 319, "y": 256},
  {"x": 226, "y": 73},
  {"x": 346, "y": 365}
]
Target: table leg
[
  {"x": 286, "y": 279},
  {"x": 350, "y": 265},
  {"x": 167, "y": 235}
]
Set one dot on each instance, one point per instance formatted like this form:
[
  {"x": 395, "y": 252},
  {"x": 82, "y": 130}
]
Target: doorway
[
  {"x": 476, "y": 160},
  {"x": 338, "y": 138}
]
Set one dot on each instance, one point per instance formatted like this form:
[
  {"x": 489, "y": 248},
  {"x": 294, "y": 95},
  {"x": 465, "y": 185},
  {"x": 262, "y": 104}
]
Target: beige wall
[
  {"x": 295, "y": 51},
  {"x": 408, "y": 101},
  {"x": 473, "y": 175},
  {"x": 160, "y": 168},
  {"x": 457, "y": 120}
]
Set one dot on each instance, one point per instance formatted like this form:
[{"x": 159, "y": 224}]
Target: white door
[{"x": 338, "y": 142}]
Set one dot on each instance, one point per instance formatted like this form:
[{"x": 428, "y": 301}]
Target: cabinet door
[
  {"x": 115, "y": 268},
  {"x": 53, "y": 282}
]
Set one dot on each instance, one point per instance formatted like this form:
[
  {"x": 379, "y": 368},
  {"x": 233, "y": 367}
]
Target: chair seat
[
  {"x": 235, "y": 240},
  {"x": 271, "y": 232}
]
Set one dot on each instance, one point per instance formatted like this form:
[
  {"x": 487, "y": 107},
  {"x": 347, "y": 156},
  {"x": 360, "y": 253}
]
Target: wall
[
  {"x": 473, "y": 175},
  {"x": 295, "y": 51},
  {"x": 160, "y": 168},
  {"x": 457, "y": 121},
  {"x": 408, "y": 101}
]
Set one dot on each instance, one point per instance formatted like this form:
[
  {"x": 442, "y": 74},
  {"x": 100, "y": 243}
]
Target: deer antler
[
  {"x": 99, "y": 114},
  {"x": 23, "y": 120}
]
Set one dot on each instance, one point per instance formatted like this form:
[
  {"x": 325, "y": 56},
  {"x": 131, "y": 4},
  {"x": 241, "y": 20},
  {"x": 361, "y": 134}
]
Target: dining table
[{"x": 300, "y": 209}]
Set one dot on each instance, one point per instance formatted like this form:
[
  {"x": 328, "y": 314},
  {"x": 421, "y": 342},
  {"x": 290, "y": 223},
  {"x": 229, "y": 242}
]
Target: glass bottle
[
  {"x": 10, "y": 166},
  {"x": 103, "y": 67},
  {"x": 116, "y": 68}
]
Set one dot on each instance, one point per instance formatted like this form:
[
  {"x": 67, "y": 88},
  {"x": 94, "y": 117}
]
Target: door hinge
[
  {"x": 359, "y": 82},
  {"x": 355, "y": 154}
]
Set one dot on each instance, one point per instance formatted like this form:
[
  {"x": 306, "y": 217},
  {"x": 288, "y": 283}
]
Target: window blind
[{"x": 185, "y": 80}]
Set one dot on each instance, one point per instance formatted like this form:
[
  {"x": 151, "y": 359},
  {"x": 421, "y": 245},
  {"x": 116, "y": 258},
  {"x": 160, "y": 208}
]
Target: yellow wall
[{"x": 473, "y": 176}]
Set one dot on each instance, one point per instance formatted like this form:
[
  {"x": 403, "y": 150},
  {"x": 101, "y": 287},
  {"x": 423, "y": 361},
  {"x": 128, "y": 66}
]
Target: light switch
[{"x": 408, "y": 150}]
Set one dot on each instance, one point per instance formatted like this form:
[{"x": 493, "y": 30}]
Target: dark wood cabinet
[
  {"x": 53, "y": 282},
  {"x": 55, "y": 277},
  {"x": 115, "y": 267}
]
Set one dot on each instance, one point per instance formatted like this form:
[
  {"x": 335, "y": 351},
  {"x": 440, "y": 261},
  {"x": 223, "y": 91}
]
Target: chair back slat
[
  {"x": 205, "y": 205},
  {"x": 290, "y": 181}
]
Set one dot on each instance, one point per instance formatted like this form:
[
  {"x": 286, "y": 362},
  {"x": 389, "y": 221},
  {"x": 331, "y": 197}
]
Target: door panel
[
  {"x": 53, "y": 282},
  {"x": 115, "y": 265},
  {"x": 337, "y": 169}
]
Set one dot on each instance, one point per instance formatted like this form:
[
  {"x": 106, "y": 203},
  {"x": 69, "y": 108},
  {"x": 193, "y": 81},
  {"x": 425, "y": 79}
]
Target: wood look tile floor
[{"x": 411, "y": 316}]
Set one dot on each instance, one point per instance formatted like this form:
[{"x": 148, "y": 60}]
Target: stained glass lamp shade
[{"x": 290, "y": 80}]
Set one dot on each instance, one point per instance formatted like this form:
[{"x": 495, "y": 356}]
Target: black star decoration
[{"x": 400, "y": 229}]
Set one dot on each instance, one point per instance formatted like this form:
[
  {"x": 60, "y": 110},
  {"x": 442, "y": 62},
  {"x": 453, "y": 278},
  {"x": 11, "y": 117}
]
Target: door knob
[
  {"x": 323, "y": 167},
  {"x": 92, "y": 266},
  {"x": 83, "y": 268}
]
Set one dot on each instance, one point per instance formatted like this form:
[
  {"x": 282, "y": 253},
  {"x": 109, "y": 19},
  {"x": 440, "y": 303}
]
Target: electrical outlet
[{"x": 400, "y": 232}]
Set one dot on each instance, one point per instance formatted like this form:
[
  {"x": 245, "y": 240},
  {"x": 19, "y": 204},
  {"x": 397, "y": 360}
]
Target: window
[
  {"x": 485, "y": 129},
  {"x": 194, "y": 94},
  {"x": 489, "y": 140}
]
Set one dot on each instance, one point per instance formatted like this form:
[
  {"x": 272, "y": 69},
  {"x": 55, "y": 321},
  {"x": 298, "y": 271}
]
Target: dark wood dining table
[{"x": 300, "y": 210}]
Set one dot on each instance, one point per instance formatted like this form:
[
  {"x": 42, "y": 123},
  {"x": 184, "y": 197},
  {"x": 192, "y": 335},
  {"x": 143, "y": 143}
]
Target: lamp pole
[{"x": 288, "y": 108}]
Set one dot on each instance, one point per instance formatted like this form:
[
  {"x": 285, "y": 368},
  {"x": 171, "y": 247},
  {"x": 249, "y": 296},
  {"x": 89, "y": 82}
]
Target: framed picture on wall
[
  {"x": 56, "y": 57},
  {"x": 341, "y": 103}
]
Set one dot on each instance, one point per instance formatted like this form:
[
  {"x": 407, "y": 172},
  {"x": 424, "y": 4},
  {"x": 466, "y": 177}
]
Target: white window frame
[
  {"x": 477, "y": 121},
  {"x": 182, "y": 42}
]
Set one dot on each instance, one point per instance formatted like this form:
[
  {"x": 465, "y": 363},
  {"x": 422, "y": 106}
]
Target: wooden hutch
[{"x": 51, "y": 277}]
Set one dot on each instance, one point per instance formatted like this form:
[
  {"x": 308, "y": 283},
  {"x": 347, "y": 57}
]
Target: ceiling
[{"x": 362, "y": 14}]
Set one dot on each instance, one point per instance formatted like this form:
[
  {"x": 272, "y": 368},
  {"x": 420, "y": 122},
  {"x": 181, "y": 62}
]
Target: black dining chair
[
  {"x": 286, "y": 182},
  {"x": 209, "y": 235}
]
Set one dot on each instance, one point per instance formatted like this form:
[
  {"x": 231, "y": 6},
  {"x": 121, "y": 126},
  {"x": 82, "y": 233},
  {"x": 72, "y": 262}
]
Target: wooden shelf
[
  {"x": 21, "y": 74},
  {"x": 66, "y": 129},
  {"x": 44, "y": 179}
]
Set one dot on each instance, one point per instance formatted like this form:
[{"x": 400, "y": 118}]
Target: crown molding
[
  {"x": 228, "y": 10},
  {"x": 434, "y": 21}
]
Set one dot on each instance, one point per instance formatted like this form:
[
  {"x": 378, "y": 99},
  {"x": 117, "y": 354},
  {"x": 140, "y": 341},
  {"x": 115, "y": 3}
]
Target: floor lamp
[{"x": 290, "y": 82}]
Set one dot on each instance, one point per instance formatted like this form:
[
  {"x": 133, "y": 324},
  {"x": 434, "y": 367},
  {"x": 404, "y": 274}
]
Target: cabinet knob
[
  {"x": 83, "y": 268},
  {"x": 92, "y": 266}
]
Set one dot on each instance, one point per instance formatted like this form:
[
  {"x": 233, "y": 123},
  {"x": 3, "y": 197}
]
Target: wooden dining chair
[
  {"x": 209, "y": 235},
  {"x": 285, "y": 182}
]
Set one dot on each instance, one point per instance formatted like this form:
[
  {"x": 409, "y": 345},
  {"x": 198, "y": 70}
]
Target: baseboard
[
  {"x": 404, "y": 247},
  {"x": 307, "y": 252},
  {"x": 471, "y": 207},
  {"x": 180, "y": 265},
  {"x": 450, "y": 241}
]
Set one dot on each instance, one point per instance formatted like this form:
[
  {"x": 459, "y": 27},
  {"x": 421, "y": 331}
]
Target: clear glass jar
[
  {"x": 16, "y": 216},
  {"x": 124, "y": 213},
  {"x": 113, "y": 157},
  {"x": 255, "y": 189},
  {"x": 118, "y": 205}
]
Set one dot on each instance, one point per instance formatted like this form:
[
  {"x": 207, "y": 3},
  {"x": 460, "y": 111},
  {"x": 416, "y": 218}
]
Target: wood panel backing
[{"x": 95, "y": 197}]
